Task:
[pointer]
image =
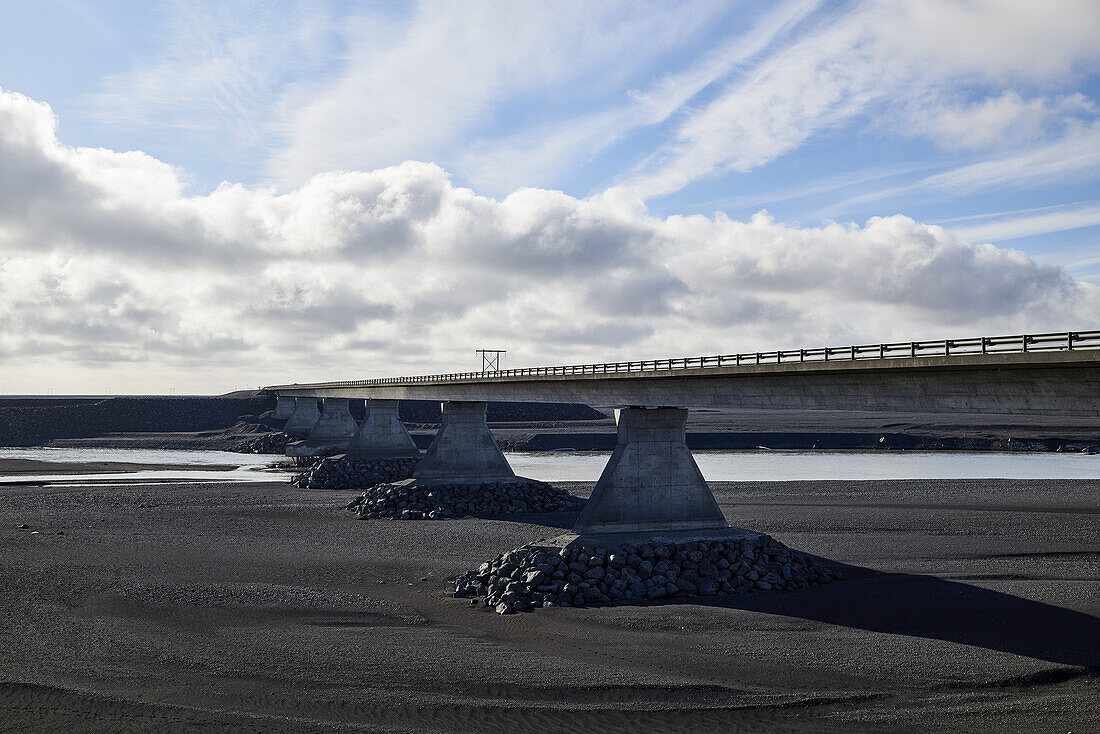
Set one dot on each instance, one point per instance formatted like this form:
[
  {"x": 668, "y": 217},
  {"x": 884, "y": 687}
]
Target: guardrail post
[
  {"x": 853, "y": 352},
  {"x": 1023, "y": 340},
  {"x": 1069, "y": 340}
]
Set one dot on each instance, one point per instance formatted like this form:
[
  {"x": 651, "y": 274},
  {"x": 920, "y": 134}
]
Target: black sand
[{"x": 971, "y": 606}]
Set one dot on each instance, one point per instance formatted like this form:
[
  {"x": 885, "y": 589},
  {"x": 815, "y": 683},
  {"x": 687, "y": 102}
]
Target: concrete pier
[
  {"x": 464, "y": 450},
  {"x": 382, "y": 434},
  {"x": 303, "y": 418},
  {"x": 284, "y": 407},
  {"x": 651, "y": 482},
  {"x": 330, "y": 434}
]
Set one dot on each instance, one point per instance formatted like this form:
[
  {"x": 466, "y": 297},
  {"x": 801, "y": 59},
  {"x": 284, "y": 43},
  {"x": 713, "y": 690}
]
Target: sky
[{"x": 200, "y": 196}]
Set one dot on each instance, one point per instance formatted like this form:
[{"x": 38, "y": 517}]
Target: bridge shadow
[{"x": 933, "y": 608}]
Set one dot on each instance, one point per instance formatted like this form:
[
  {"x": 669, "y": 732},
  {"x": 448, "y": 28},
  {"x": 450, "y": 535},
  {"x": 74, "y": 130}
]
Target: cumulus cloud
[{"x": 109, "y": 269}]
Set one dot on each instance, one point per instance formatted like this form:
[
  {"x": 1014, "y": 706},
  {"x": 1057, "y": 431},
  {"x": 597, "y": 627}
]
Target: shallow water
[
  {"x": 137, "y": 456},
  {"x": 587, "y": 465},
  {"x": 760, "y": 465},
  {"x": 196, "y": 466}
]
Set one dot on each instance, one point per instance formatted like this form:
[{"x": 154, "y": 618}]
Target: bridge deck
[{"x": 1044, "y": 373}]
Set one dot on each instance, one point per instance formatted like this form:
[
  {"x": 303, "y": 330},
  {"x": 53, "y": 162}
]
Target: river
[{"x": 752, "y": 465}]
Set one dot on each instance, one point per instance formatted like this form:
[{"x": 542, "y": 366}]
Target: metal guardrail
[{"x": 1017, "y": 343}]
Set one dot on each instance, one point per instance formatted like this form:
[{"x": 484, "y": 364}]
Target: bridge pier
[
  {"x": 463, "y": 450},
  {"x": 284, "y": 407},
  {"x": 651, "y": 483},
  {"x": 382, "y": 434},
  {"x": 330, "y": 434},
  {"x": 303, "y": 418}
]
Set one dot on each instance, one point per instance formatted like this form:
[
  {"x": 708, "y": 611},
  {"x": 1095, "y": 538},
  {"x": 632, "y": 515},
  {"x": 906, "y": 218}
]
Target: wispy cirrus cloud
[
  {"x": 539, "y": 156},
  {"x": 453, "y": 70},
  {"x": 1071, "y": 158},
  {"x": 217, "y": 77},
  {"x": 1028, "y": 224},
  {"x": 874, "y": 56}
]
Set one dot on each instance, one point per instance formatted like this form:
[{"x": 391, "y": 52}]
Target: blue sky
[{"x": 980, "y": 117}]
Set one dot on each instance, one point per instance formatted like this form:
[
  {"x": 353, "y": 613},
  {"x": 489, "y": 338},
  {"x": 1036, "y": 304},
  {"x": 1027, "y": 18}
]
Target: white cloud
[
  {"x": 1005, "y": 120},
  {"x": 1010, "y": 228},
  {"x": 541, "y": 155},
  {"x": 1072, "y": 158},
  {"x": 110, "y": 273},
  {"x": 521, "y": 94},
  {"x": 877, "y": 55},
  {"x": 422, "y": 87},
  {"x": 218, "y": 74}
]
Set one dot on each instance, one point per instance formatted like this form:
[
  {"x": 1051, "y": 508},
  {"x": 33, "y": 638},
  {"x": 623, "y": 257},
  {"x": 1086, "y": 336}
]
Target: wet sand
[
  {"x": 17, "y": 467},
  {"x": 970, "y": 606}
]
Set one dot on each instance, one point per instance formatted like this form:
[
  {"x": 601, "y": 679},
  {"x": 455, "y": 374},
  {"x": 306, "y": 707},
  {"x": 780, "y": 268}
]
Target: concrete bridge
[{"x": 651, "y": 482}]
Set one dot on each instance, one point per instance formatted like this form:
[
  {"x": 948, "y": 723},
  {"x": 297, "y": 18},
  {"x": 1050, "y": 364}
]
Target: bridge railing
[{"x": 1016, "y": 343}]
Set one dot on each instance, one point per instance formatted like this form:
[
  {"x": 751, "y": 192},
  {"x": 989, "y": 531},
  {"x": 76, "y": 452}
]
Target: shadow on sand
[
  {"x": 932, "y": 608},
  {"x": 912, "y": 605}
]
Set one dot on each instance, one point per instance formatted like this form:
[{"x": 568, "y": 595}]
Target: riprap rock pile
[
  {"x": 534, "y": 576},
  {"x": 269, "y": 443},
  {"x": 342, "y": 472},
  {"x": 431, "y": 501}
]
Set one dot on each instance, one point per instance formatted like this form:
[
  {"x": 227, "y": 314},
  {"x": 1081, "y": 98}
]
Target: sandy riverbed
[{"x": 971, "y": 605}]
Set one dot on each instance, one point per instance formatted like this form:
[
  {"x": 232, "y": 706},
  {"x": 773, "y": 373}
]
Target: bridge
[{"x": 651, "y": 482}]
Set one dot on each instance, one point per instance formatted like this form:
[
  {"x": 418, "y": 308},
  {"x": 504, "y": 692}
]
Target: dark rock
[
  {"x": 268, "y": 443},
  {"x": 532, "y": 577},
  {"x": 352, "y": 473},
  {"x": 414, "y": 501}
]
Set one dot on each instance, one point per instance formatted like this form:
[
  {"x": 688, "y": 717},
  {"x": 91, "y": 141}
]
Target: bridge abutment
[
  {"x": 330, "y": 434},
  {"x": 382, "y": 434},
  {"x": 464, "y": 450},
  {"x": 303, "y": 418},
  {"x": 651, "y": 482}
]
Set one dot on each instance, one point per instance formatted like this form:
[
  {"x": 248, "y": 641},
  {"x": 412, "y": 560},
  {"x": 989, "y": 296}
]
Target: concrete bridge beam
[
  {"x": 303, "y": 418},
  {"x": 464, "y": 450},
  {"x": 382, "y": 434},
  {"x": 651, "y": 482},
  {"x": 284, "y": 407}
]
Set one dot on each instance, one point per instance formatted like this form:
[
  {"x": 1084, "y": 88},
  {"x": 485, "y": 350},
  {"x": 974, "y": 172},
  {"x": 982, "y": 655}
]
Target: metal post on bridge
[{"x": 490, "y": 359}]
